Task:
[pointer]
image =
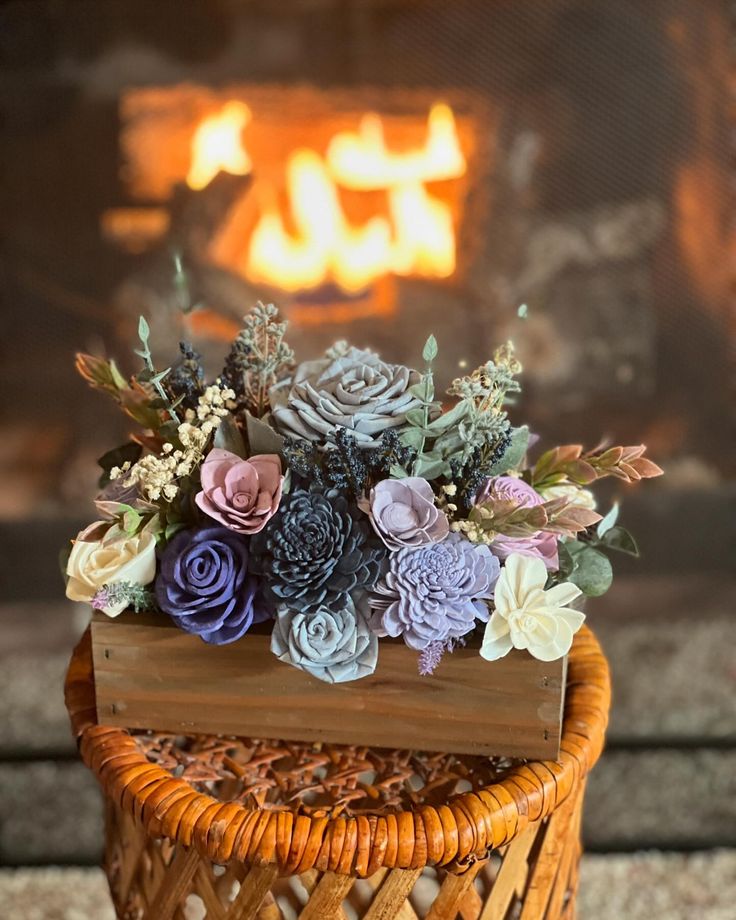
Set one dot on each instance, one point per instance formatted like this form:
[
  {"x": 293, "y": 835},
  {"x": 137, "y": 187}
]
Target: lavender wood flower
[
  {"x": 434, "y": 593},
  {"x": 356, "y": 390},
  {"x": 316, "y": 551},
  {"x": 331, "y": 645},
  {"x": 205, "y": 587},
  {"x": 403, "y": 513}
]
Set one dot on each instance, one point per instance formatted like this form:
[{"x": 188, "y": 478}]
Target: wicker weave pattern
[
  {"x": 316, "y": 780},
  {"x": 499, "y": 851}
]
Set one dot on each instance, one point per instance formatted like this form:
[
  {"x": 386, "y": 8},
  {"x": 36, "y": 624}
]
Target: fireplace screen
[{"x": 381, "y": 170}]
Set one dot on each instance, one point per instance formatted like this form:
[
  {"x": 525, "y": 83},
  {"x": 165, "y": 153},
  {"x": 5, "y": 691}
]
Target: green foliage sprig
[
  {"x": 258, "y": 358},
  {"x": 150, "y": 375}
]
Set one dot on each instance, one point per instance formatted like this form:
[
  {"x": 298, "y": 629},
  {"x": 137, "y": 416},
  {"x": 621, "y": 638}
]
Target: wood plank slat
[
  {"x": 325, "y": 900},
  {"x": 544, "y": 872},
  {"x": 390, "y": 901},
  {"x": 151, "y": 675},
  {"x": 204, "y": 889},
  {"x": 174, "y": 885},
  {"x": 513, "y": 867},
  {"x": 567, "y": 872},
  {"x": 452, "y": 892},
  {"x": 253, "y": 890}
]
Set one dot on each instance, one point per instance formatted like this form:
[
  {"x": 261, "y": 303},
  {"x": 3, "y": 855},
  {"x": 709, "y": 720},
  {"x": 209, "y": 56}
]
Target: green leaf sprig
[{"x": 149, "y": 374}]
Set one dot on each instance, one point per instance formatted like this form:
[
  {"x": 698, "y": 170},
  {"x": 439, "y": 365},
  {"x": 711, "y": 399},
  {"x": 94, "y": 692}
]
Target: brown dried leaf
[{"x": 646, "y": 468}]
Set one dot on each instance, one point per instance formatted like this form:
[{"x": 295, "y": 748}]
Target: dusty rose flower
[
  {"x": 541, "y": 544},
  {"x": 403, "y": 513},
  {"x": 241, "y": 494}
]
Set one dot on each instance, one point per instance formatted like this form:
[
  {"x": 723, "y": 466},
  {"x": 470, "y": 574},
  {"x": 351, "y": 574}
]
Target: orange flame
[
  {"x": 217, "y": 146},
  {"x": 416, "y": 235},
  {"x": 327, "y": 246},
  {"x": 362, "y": 161}
]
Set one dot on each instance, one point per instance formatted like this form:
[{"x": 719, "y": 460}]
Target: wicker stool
[{"x": 220, "y": 828}]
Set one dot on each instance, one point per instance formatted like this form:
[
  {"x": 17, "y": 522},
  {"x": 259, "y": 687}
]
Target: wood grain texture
[{"x": 150, "y": 674}]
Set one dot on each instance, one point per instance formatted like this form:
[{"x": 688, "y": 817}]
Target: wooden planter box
[{"x": 150, "y": 674}]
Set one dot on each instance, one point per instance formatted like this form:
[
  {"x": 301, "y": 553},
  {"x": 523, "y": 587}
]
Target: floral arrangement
[{"x": 340, "y": 502}]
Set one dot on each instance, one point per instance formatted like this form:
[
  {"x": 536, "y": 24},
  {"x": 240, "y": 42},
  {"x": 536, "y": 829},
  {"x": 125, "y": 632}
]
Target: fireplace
[
  {"x": 381, "y": 169},
  {"x": 319, "y": 199}
]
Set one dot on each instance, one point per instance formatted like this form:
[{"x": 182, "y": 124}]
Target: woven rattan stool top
[{"x": 351, "y": 810}]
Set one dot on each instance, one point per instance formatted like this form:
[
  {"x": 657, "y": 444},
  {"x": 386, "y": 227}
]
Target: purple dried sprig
[
  {"x": 136, "y": 596},
  {"x": 432, "y": 655}
]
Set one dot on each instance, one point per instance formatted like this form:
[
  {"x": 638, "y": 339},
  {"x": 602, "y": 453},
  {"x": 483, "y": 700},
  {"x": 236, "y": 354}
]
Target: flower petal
[{"x": 561, "y": 595}]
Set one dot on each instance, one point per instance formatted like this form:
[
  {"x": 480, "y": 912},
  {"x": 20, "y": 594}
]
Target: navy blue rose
[
  {"x": 205, "y": 587},
  {"x": 316, "y": 552}
]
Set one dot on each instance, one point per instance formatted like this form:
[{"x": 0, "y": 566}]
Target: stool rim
[{"x": 453, "y": 835}]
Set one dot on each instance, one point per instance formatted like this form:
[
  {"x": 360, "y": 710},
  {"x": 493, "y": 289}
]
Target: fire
[
  {"x": 327, "y": 246},
  {"x": 362, "y": 161},
  {"x": 414, "y": 234},
  {"x": 424, "y": 242},
  {"x": 217, "y": 146}
]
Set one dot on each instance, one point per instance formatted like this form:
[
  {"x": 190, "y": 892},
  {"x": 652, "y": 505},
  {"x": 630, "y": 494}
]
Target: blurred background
[{"x": 382, "y": 169}]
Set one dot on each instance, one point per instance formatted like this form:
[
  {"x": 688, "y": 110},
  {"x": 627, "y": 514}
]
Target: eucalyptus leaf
[
  {"x": 423, "y": 390},
  {"x": 144, "y": 330},
  {"x": 412, "y": 437},
  {"x": 131, "y": 522},
  {"x": 228, "y": 437},
  {"x": 592, "y": 571},
  {"x": 430, "y": 468},
  {"x": 430, "y": 350},
  {"x": 262, "y": 438},
  {"x": 450, "y": 418},
  {"x": 608, "y": 521},
  {"x": 160, "y": 376},
  {"x": 619, "y": 539},
  {"x": 514, "y": 453},
  {"x": 417, "y": 416},
  {"x": 566, "y": 563},
  {"x": 397, "y": 472}
]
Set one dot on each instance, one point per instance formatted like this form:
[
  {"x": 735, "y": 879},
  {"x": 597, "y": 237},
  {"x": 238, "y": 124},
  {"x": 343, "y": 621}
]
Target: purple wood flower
[
  {"x": 205, "y": 587},
  {"x": 403, "y": 513},
  {"x": 434, "y": 593}
]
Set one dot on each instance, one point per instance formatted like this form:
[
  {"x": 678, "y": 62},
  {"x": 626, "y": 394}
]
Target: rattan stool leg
[{"x": 534, "y": 877}]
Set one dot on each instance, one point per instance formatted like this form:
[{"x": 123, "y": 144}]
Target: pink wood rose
[{"x": 241, "y": 494}]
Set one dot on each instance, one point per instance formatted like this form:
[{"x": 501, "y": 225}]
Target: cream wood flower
[
  {"x": 528, "y": 617},
  {"x": 103, "y": 555},
  {"x": 579, "y": 496}
]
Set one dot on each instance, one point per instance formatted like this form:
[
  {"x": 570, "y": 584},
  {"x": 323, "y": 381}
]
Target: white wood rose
[{"x": 528, "y": 617}]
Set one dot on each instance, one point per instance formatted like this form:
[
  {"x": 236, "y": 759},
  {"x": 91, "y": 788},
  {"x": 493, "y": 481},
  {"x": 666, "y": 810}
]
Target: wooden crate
[{"x": 150, "y": 674}]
